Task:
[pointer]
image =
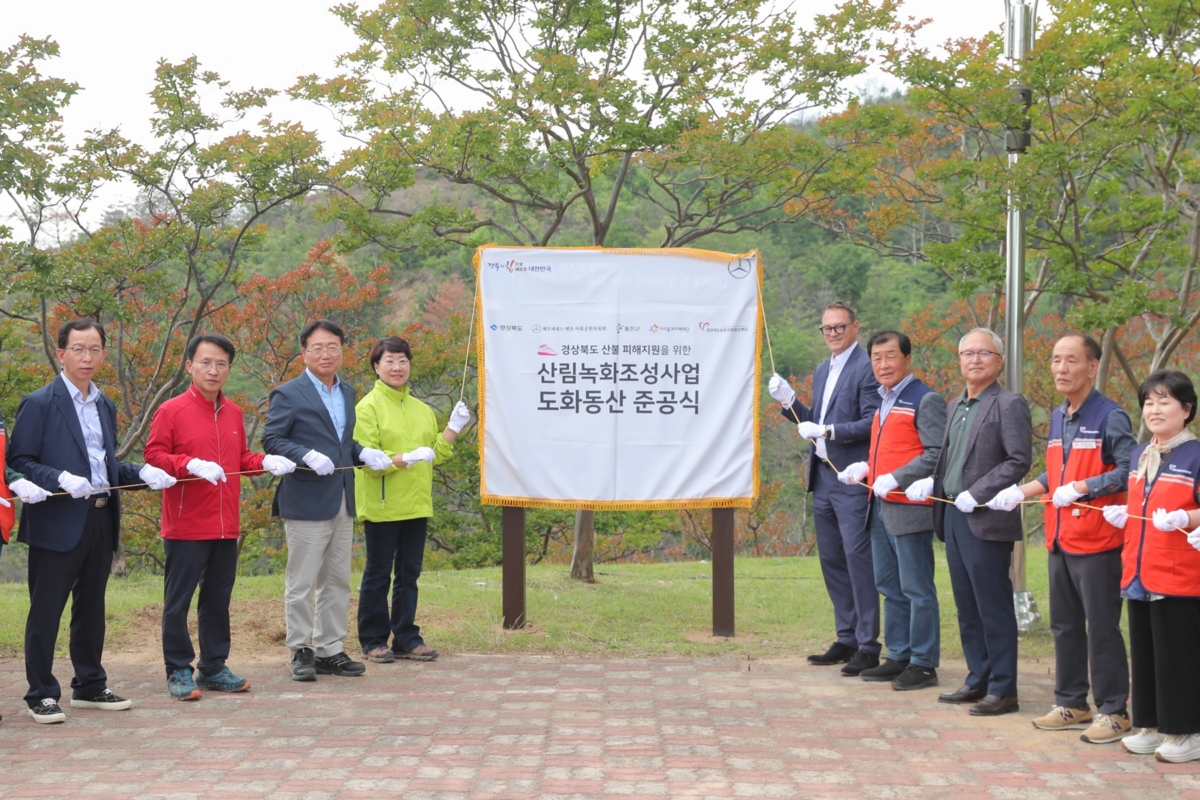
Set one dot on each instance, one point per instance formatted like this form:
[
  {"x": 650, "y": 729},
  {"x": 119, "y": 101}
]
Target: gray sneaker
[{"x": 303, "y": 667}]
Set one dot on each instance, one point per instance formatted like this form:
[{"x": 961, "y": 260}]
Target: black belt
[{"x": 98, "y": 500}]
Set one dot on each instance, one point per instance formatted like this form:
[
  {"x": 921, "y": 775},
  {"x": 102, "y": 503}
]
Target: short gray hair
[{"x": 996, "y": 340}]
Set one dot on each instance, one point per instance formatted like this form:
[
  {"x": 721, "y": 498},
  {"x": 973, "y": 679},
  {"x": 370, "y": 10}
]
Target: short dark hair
[
  {"x": 842, "y": 306},
  {"x": 883, "y": 337},
  {"x": 389, "y": 344},
  {"x": 210, "y": 338},
  {"x": 325, "y": 325},
  {"x": 80, "y": 324},
  {"x": 1090, "y": 345},
  {"x": 1172, "y": 383}
]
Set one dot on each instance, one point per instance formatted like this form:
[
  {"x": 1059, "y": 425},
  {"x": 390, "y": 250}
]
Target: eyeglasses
[
  {"x": 971, "y": 355},
  {"x": 322, "y": 349},
  {"x": 206, "y": 365},
  {"x": 830, "y": 330},
  {"x": 78, "y": 350},
  {"x": 394, "y": 362}
]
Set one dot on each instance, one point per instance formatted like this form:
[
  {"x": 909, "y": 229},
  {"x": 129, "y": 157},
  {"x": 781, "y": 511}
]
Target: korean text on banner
[{"x": 618, "y": 379}]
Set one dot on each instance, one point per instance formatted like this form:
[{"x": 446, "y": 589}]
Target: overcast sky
[{"x": 111, "y": 47}]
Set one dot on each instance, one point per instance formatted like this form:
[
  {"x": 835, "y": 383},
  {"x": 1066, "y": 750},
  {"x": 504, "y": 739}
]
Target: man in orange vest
[
  {"x": 1087, "y": 464},
  {"x": 906, "y": 438}
]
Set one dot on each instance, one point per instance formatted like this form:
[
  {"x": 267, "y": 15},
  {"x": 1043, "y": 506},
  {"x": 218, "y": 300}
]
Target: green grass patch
[{"x": 632, "y": 610}]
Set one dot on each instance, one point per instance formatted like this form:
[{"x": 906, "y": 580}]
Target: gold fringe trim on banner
[
  {"x": 701, "y": 255},
  {"x": 616, "y": 505}
]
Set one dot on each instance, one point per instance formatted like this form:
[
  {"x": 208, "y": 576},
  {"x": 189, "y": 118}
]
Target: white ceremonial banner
[{"x": 618, "y": 379}]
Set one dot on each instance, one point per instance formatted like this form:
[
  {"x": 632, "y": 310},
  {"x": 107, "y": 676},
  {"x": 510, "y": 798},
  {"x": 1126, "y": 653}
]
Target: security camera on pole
[{"x": 1020, "y": 19}]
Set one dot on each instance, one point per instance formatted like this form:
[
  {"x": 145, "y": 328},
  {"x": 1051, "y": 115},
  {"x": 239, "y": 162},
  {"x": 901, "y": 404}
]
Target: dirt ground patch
[{"x": 257, "y": 626}]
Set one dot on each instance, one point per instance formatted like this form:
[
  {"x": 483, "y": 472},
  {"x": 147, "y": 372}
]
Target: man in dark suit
[
  {"x": 311, "y": 421},
  {"x": 987, "y": 448},
  {"x": 64, "y": 440},
  {"x": 845, "y": 398}
]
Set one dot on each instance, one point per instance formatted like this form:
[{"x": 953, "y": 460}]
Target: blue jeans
[
  {"x": 912, "y": 625},
  {"x": 392, "y": 548}
]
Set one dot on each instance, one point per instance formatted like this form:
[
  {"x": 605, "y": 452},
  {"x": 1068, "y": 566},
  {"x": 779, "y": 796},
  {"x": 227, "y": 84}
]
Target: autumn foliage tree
[{"x": 559, "y": 112}]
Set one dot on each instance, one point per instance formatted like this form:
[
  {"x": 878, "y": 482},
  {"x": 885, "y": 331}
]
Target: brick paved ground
[{"x": 492, "y": 727}]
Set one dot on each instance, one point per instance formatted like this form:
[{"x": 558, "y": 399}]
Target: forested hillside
[{"x": 732, "y": 127}]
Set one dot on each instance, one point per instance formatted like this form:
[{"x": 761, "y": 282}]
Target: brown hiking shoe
[
  {"x": 1107, "y": 728},
  {"x": 1064, "y": 719}
]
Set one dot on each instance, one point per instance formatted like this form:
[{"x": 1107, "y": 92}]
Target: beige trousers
[{"x": 318, "y": 579}]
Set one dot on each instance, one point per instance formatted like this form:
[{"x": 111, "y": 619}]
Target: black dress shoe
[
  {"x": 964, "y": 695},
  {"x": 992, "y": 705},
  {"x": 861, "y": 660},
  {"x": 837, "y": 653}
]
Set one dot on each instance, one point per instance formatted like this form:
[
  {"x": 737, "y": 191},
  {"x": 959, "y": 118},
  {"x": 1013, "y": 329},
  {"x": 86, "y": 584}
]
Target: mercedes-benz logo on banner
[{"x": 740, "y": 267}]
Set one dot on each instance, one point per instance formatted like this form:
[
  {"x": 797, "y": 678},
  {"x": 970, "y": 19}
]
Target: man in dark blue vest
[{"x": 1087, "y": 463}]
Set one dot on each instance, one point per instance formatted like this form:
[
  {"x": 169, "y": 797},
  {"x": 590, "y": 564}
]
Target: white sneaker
[
  {"x": 1144, "y": 742},
  {"x": 1179, "y": 747}
]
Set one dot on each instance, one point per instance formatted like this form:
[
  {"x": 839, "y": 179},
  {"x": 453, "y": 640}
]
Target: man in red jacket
[{"x": 199, "y": 437}]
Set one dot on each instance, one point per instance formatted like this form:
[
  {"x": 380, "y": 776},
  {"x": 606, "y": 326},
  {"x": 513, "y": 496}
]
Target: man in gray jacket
[
  {"x": 906, "y": 438},
  {"x": 311, "y": 422},
  {"x": 988, "y": 446}
]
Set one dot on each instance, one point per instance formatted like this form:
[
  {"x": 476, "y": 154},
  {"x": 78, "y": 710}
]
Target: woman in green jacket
[{"x": 395, "y": 505}]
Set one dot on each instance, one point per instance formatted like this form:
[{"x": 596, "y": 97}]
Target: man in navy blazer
[
  {"x": 845, "y": 398},
  {"x": 64, "y": 440},
  {"x": 311, "y": 421}
]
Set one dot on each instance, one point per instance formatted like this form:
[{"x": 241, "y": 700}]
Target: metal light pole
[{"x": 1020, "y": 19}]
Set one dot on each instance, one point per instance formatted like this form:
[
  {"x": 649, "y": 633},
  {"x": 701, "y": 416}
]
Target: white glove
[
  {"x": 375, "y": 459},
  {"x": 1006, "y": 499},
  {"x": 883, "y": 485},
  {"x": 28, "y": 491},
  {"x": 920, "y": 491},
  {"x": 1194, "y": 538},
  {"x": 854, "y": 473},
  {"x": 1169, "y": 520},
  {"x": 1116, "y": 516},
  {"x": 420, "y": 454},
  {"x": 278, "y": 465},
  {"x": 74, "y": 485},
  {"x": 155, "y": 478},
  {"x": 779, "y": 389},
  {"x": 811, "y": 430},
  {"x": 459, "y": 417},
  {"x": 213, "y": 473},
  {"x": 319, "y": 462},
  {"x": 965, "y": 503},
  {"x": 1065, "y": 495}
]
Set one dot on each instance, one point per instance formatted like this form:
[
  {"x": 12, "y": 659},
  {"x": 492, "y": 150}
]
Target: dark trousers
[
  {"x": 844, "y": 547},
  {"x": 81, "y": 573},
  {"x": 1085, "y": 618},
  {"x": 210, "y": 564},
  {"x": 1164, "y": 646},
  {"x": 987, "y": 621},
  {"x": 395, "y": 553}
]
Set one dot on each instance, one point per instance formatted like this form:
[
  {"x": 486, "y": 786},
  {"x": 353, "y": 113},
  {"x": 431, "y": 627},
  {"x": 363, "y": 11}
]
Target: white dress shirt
[
  {"x": 836, "y": 365},
  {"x": 88, "y": 413}
]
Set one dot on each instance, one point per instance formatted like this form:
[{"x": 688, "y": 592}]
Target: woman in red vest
[{"x": 1161, "y": 572}]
